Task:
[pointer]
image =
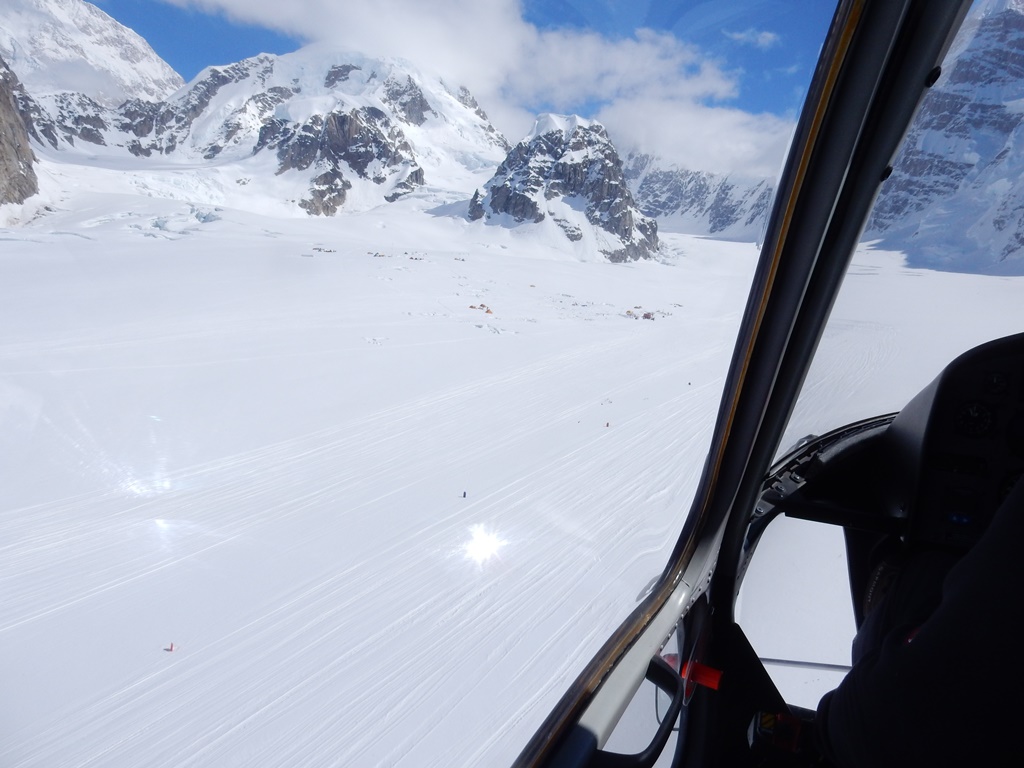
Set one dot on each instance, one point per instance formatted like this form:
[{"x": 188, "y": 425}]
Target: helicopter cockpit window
[
  {"x": 358, "y": 360},
  {"x": 939, "y": 270},
  {"x": 939, "y": 264}
]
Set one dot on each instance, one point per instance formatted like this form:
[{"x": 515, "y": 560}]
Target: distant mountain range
[
  {"x": 321, "y": 131},
  {"x": 327, "y": 131},
  {"x": 699, "y": 202}
]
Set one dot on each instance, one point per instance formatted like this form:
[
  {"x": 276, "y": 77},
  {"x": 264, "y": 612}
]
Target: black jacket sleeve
[{"x": 948, "y": 691}]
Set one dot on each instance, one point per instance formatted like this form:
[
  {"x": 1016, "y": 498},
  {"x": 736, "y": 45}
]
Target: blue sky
[
  {"x": 643, "y": 67},
  {"x": 190, "y": 39}
]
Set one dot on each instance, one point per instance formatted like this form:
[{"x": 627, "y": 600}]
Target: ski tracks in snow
[
  {"x": 392, "y": 618},
  {"x": 315, "y": 575}
]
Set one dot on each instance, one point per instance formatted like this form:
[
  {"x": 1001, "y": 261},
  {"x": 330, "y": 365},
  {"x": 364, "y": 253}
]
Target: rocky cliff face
[
  {"x": 699, "y": 202},
  {"x": 567, "y": 171},
  {"x": 17, "y": 178},
  {"x": 365, "y": 140},
  {"x": 955, "y": 199}
]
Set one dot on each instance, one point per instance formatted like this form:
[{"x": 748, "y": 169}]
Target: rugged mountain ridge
[
  {"x": 699, "y": 202},
  {"x": 17, "y": 178},
  {"x": 955, "y": 199},
  {"x": 339, "y": 120},
  {"x": 322, "y": 130},
  {"x": 568, "y": 171}
]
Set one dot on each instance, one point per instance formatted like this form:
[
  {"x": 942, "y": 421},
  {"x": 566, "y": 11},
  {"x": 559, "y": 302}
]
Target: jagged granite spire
[{"x": 565, "y": 167}]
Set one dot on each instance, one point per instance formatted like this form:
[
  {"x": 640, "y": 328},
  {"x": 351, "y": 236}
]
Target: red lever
[{"x": 702, "y": 675}]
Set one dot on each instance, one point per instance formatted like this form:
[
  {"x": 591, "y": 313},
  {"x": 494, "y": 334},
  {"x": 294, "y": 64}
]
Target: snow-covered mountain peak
[
  {"x": 315, "y": 69},
  {"x": 59, "y": 46},
  {"x": 321, "y": 78},
  {"x": 567, "y": 125},
  {"x": 333, "y": 129}
]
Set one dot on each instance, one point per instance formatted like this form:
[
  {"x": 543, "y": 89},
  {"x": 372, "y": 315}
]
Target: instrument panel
[{"x": 972, "y": 451}]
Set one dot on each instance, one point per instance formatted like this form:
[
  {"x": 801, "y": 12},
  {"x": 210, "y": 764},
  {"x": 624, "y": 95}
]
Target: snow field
[
  {"x": 251, "y": 437},
  {"x": 257, "y": 450}
]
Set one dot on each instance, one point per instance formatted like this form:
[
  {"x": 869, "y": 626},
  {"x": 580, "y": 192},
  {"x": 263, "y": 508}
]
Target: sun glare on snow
[{"x": 482, "y": 545}]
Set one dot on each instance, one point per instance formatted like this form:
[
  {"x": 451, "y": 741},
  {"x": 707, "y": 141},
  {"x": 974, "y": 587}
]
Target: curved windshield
[
  {"x": 939, "y": 270},
  {"x": 358, "y": 364}
]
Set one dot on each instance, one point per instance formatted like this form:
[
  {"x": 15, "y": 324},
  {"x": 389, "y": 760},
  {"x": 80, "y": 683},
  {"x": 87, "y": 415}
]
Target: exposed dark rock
[
  {"x": 338, "y": 74},
  {"x": 78, "y": 117},
  {"x": 17, "y": 178},
  {"x": 476, "y": 208},
  {"x": 408, "y": 184},
  {"x": 572, "y": 162},
  {"x": 138, "y": 150},
  {"x": 38, "y": 123},
  {"x": 259, "y": 107},
  {"x": 364, "y": 139},
  {"x": 466, "y": 99},
  {"x": 574, "y": 233},
  {"x": 272, "y": 133},
  {"x": 408, "y": 101},
  {"x": 505, "y": 198},
  {"x": 327, "y": 194},
  {"x": 138, "y": 117}
]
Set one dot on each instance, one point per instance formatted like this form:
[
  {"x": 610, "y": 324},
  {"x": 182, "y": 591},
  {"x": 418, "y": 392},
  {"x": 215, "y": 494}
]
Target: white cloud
[
  {"x": 567, "y": 67},
  {"x": 514, "y": 70},
  {"x": 757, "y": 38},
  {"x": 699, "y": 137}
]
